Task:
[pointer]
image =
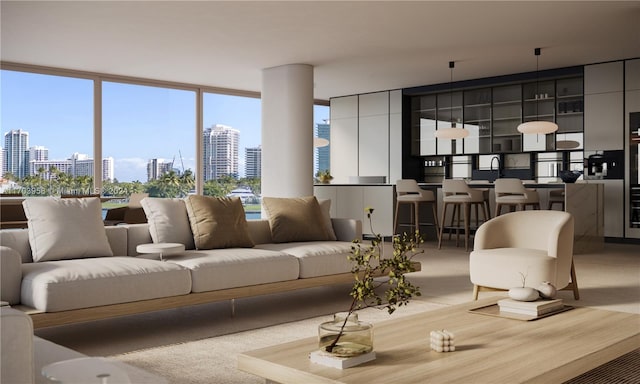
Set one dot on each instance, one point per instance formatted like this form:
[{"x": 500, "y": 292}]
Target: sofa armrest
[
  {"x": 347, "y": 229},
  {"x": 17, "y": 347},
  {"x": 136, "y": 234},
  {"x": 10, "y": 275}
]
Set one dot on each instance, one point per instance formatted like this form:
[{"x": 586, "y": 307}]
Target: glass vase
[{"x": 355, "y": 338}]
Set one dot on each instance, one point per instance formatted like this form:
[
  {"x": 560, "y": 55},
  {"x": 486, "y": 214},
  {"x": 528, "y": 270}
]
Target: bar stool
[
  {"x": 512, "y": 193},
  {"x": 458, "y": 193},
  {"x": 409, "y": 192},
  {"x": 556, "y": 196},
  {"x": 485, "y": 194}
]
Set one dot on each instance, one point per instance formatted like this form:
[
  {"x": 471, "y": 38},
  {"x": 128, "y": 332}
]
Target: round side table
[
  {"x": 88, "y": 370},
  {"x": 164, "y": 249}
]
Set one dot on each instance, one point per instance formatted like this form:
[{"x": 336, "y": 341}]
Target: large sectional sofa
[{"x": 60, "y": 271}]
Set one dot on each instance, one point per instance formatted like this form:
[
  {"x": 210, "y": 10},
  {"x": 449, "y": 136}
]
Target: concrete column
[{"x": 287, "y": 131}]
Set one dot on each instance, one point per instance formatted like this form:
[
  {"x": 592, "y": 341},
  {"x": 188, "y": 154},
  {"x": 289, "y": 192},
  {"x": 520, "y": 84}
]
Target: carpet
[{"x": 213, "y": 360}]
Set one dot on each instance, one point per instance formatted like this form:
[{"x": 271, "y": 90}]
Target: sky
[{"x": 139, "y": 122}]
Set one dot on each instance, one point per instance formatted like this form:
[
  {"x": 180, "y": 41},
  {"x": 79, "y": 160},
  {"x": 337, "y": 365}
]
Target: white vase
[
  {"x": 524, "y": 294},
  {"x": 547, "y": 290}
]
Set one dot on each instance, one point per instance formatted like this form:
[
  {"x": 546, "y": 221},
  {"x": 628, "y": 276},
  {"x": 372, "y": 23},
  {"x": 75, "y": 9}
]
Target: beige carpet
[{"x": 214, "y": 360}]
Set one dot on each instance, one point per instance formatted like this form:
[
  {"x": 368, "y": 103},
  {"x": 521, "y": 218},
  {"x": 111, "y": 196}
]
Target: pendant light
[
  {"x": 537, "y": 127},
  {"x": 453, "y": 132}
]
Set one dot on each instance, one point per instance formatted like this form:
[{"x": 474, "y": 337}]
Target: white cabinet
[
  {"x": 604, "y": 106},
  {"x": 344, "y": 138},
  {"x": 603, "y": 121},
  {"x": 350, "y": 201},
  {"x": 603, "y": 78},
  {"x": 366, "y": 136},
  {"x": 613, "y": 208},
  {"x": 373, "y": 134}
]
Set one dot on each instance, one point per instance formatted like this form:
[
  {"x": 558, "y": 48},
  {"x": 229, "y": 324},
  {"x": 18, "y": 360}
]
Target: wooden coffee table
[{"x": 489, "y": 349}]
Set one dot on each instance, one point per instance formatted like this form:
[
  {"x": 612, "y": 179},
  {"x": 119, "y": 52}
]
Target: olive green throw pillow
[
  {"x": 295, "y": 219},
  {"x": 218, "y": 222}
]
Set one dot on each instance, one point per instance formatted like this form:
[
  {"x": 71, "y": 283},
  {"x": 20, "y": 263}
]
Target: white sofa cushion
[
  {"x": 168, "y": 221},
  {"x": 66, "y": 228},
  {"x": 236, "y": 267},
  {"x": 71, "y": 284},
  {"x": 317, "y": 258}
]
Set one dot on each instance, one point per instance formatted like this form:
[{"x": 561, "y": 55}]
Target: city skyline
[{"x": 139, "y": 122}]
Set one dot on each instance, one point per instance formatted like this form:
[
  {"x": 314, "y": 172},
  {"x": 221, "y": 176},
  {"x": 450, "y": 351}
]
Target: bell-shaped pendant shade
[{"x": 537, "y": 127}]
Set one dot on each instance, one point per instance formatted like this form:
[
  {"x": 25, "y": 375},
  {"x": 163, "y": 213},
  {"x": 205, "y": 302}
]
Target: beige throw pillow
[
  {"x": 218, "y": 222},
  {"x": 62, "y": 229},
  {"x": 168, "y": 221},
  {"x": 295, "y": 219}
]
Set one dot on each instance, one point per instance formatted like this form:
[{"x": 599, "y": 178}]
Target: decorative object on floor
[
  {"x": 324, "y": 177},
  {"x": 337, "y": 337},
  {"x": 524, "y": 293},
  {"x": 443, "y": 341},
  {"x": 537, "y": 126},
  {"x": 547, "y": 290},
  {"x": 453, "y": 132},
  {"x": 570, "y": 176}
]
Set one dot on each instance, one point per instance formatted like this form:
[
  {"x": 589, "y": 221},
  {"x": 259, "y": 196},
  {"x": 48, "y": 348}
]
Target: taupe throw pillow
[
  {"x": 295, "y": 219},
  {"x": 62, "y": 229},
  {"x": 218, "y": 222}
]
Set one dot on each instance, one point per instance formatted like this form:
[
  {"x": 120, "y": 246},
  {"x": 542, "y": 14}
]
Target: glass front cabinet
[{"x": 493, "y": 113}]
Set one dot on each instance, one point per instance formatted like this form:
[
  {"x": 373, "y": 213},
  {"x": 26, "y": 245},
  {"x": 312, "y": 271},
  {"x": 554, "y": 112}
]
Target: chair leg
[
  {"x": 467, "y": 218},
  {"x": 395, "y": 219},
  {"x": 574, "y": 282},
  {"x": 475, "y": 292},
  {"x": 416, "y": 215},
  {"x": 442, "y": 223},
  {"x": 435, "y": 220}
]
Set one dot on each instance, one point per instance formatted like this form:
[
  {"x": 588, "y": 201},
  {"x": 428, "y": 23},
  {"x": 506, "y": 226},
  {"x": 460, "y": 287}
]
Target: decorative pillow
[
  {"x": 325, "y": 207},
  {"x": 62, "y": 229},
  {"x": 218, "y": 222},
  {"x": 168, "y": 221},
  {"x": 295, "y": 219}
]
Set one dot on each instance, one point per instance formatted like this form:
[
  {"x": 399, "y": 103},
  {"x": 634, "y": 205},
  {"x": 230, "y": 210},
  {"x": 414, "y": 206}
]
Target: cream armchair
[{"x": 536, "y": 244}]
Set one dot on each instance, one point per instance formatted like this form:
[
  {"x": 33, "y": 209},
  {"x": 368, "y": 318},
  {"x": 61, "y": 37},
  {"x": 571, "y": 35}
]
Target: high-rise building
[
  {"x": 220, "y": 151},
  {"x": 38, "y": 152},
  {"x": 323, "y": 155},
  {"x": 78, "y": 164},
  {"x": 107, "y": 169},
  {"x": 253, "y": 162},
  {"x": 15, "y": 153},
  {"x": 158, "y": 167}
]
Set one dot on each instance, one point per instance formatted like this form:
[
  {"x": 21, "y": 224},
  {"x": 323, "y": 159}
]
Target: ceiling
[{"x": 355, "y": 47}]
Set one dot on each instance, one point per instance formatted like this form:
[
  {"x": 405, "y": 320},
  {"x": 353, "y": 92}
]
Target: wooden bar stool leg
[
  {"x": 416, "y": 208},
  {"x": 435, "y": 220},
  {"x": 467, "y": 218},
  {"x": 442, "y": 224}
]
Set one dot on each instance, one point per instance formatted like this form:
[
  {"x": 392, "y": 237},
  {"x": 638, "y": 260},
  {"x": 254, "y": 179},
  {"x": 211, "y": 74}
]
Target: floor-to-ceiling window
[
  {"x": 47, "y": 134},
  {"x": 148, "y": 133}
]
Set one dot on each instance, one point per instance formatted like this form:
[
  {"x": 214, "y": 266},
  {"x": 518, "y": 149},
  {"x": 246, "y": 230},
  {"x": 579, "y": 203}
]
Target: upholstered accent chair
[{"x": 534, "y": 245}]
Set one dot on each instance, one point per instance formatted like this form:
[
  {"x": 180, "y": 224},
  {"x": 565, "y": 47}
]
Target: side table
[
  {"x": 87, "y": 370},
  {"x": 164, "y": 249}
]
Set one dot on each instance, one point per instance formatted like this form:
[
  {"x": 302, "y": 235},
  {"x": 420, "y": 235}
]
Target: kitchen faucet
[{"x": 499, "y": 167}]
